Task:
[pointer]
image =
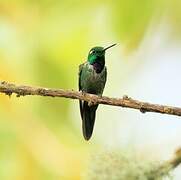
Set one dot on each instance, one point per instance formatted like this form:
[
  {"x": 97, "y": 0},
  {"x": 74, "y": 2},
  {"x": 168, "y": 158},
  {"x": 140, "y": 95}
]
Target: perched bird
[{"x": 92, "y": 79}]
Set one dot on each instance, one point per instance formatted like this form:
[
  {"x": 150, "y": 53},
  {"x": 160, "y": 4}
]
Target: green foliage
[{"x": 131, "y": 19}]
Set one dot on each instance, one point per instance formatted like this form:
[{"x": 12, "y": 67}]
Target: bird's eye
[{"x": 92, "y": 52}]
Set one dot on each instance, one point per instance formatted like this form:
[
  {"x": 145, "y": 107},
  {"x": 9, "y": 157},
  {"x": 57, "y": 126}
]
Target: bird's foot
[
  {"x": 92, "y": 102},
  {"x": 83, "y": 93}
]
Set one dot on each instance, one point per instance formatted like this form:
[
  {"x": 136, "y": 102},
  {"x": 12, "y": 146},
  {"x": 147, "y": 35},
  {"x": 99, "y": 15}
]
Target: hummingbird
[{"x": 92, "y": 79}]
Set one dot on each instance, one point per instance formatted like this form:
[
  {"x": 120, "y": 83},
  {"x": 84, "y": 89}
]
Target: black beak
[{"x": 109, "y": 47}]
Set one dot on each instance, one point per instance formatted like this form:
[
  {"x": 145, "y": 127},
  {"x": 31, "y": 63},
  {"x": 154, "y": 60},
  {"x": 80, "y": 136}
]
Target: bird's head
[{"x": 97, "y": 54}]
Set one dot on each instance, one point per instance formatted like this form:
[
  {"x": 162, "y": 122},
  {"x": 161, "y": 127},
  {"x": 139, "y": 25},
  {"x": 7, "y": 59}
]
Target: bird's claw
[
  {"x": 92, "y": 102},
  {"x": 83, "y": 92}
]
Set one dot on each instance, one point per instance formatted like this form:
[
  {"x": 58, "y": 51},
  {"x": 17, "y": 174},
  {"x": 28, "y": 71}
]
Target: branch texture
[{"x": 22, "y": 90}]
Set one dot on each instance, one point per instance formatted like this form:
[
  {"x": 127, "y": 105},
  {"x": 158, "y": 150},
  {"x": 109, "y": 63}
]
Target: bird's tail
[{"x": 88, "y": 118}]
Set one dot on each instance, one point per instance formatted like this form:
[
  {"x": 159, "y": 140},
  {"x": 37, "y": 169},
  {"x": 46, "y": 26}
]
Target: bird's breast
[{"x": 92, "y": 81}]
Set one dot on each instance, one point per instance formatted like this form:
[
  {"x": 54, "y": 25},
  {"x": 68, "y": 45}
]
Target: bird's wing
[
  {"x": 80, "y": 88},
  {"x": 103, "y": 79},
  {"x": 105, "y": 74},
  {"x": 80, "y": 72}
]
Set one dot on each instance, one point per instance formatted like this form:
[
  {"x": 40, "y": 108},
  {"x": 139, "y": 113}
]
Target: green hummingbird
[{"x": 92, "y": 79}]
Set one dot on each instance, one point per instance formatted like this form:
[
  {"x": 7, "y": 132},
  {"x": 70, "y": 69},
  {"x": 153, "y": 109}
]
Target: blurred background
[{"x": 43, "y": 42}]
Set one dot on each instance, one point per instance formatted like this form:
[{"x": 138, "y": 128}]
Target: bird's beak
[{"x": 109, "y": 47}]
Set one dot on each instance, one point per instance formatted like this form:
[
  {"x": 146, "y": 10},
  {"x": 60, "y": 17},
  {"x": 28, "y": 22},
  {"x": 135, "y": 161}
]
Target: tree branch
[
  {"x": 169, "y": 165},
  {"x": 21, "y": 90}
]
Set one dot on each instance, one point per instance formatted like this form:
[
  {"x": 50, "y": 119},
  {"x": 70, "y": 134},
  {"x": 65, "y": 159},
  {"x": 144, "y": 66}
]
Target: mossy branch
[
  {"x": 121, "y": 164},
  {"x": 125, "y": 101},
  {"x": 169, "y": 165}
]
